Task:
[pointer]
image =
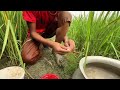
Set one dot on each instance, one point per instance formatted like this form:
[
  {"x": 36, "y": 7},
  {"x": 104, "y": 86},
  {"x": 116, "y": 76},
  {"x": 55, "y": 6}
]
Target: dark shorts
[
  {"x": 50, "y": 30},
  {"x": 31, "y": 52}
]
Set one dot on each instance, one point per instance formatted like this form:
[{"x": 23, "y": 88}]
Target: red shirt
[{"x": 41, "y": 18}]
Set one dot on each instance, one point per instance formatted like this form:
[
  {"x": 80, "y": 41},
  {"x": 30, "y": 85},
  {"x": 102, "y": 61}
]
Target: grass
[
  {"x": 93, "y": 35},
  {"x": 103, "y": 31},
  {"x": 12, "y": 36}
]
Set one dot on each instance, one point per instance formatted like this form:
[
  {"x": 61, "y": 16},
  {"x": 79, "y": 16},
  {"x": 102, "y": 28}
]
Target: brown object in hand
[{"x": 31, "y": 51}]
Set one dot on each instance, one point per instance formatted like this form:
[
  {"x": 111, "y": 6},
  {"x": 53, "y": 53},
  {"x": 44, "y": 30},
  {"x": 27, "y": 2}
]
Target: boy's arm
[
  {"x": 57, "y": 47},
  {"x": 38, "y": 37}
]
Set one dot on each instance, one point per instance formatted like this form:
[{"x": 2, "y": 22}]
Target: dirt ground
[{"x": 47, "y": 64}]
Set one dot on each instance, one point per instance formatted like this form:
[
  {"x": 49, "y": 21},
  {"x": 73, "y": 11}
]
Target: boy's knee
[
  {"x": 68, "y": 15},
  {"x": 64, "y": 17},
  {"x": 31, "y": 52},
  {"x": 28, "y": 59}
]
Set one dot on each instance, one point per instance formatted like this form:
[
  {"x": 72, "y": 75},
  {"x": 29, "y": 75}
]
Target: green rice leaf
[{"x": 5, "y": 38}]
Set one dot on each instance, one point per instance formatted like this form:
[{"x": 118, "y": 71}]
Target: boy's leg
[
  {"x": 64, "y": 20},
  {"x": 60, "y": 29},
  {"x": 31, "y": 51},
  {"x": 50, "y": 31}
]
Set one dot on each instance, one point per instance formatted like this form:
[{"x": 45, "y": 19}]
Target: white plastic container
[{"x": 13, "y": 72}]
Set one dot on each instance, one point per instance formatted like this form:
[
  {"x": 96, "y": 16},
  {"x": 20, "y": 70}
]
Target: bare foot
[{"x": 59, "y": 58}]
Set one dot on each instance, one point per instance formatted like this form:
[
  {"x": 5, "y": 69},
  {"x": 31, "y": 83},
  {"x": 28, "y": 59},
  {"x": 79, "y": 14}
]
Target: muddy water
[{"x": 102, "y": 71}]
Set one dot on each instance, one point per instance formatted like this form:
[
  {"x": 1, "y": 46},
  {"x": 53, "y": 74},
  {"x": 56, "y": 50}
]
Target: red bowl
[{"x": 50, "y": 76}]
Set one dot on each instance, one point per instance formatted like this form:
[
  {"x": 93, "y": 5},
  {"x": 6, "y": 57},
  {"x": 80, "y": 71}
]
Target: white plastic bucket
[{"x": 13, "y": 72}]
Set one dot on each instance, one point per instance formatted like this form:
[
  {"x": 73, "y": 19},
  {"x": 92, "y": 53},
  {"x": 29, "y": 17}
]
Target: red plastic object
[{"x": 50, "y": 76}]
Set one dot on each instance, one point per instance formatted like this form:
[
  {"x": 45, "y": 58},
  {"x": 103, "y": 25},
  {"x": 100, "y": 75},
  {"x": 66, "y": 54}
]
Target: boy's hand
[
  {"x": 66, "y": 41},
  {"x": 60, "y": 49},
  {"x": 69, "y": 43}
]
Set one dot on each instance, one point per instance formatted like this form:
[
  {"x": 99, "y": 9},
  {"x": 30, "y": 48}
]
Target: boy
[{"x": 43, "y": 25}]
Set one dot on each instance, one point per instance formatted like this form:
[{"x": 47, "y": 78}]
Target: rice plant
[
  {"x": 103, "y": 31},
  {"x": 93, "y": 35},
  {"x": 96, "y": 35},
  {"x": 12, "y": 34}
]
